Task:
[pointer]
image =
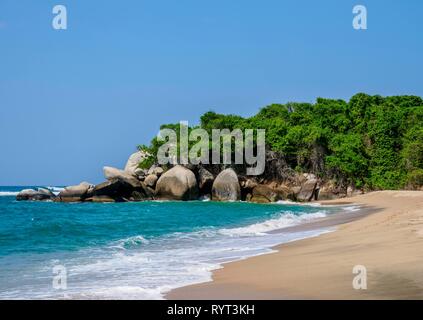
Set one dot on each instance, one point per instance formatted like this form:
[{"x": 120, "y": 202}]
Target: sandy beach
[{"x": 386, "y": 237}]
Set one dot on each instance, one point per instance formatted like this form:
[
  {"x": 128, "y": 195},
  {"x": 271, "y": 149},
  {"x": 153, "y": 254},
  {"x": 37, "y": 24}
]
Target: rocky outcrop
[
  {"x": 191, "y": 182},
  {"x": 35, "y": 195},
  {"x": 352, "y": 192},
  {"x": 178, "y": 183},
  {"x": 205, "y": 181},
  {"x": 249, "y": 184},
  {"x": 151, "y": 180},
  {"x": 134, "y": 161},
  {"x": 26, "y": 194},
  {"x": 157, "y": 171},
  {"x": 330, "y": 191},
  {"x": 100, "y": 199},
  {"x": 44, "y": 194},
  {"x": 112, "y": 174},
  {"x": 144, "y": 194},
  {"x": 308, "y": 189},
  {"x": 141, "y": 173},
  {"x": 120, "y": 190},
  {"x": 226, "y": 186},
  {"x": 265, "y": 194},
  {"x": 75, "y": 193}
]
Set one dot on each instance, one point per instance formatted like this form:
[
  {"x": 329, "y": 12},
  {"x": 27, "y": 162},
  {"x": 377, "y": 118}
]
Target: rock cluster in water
[{"x": 191, "y": 182}]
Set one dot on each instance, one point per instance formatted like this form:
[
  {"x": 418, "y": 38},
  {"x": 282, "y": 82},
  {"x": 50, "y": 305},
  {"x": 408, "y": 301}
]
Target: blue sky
[{"x": 73, "y": 101}]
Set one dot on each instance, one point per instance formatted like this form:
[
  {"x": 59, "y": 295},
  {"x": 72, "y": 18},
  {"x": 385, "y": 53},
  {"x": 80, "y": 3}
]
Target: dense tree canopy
[{"x": 370, "y": 142}]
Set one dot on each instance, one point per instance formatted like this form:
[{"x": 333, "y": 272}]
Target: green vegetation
[{"x": 370, "y": 142}]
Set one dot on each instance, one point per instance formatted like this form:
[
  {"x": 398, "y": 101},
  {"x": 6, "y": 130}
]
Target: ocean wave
[
  {"x": 131, "y": 242},
  {"x": 154, "y": 270},
  {"x": 14, "y": 193},
  {"x": 290, "y": 202},
  {"x": 352, "y": 208},
  {"x": 284, "y": 220},
  {"x": 8, "y": 193},
  {"x": 144, "y": 266}
]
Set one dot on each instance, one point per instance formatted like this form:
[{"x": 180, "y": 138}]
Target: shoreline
[{"x": 386, "y": 237}]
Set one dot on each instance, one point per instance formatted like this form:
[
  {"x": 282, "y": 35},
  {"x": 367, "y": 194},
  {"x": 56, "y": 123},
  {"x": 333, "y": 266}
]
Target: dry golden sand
[{"x": 388, "y": 242}]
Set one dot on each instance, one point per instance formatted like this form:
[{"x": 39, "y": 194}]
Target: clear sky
[{"x": 72, "y": 101}]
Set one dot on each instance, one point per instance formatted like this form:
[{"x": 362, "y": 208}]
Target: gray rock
[
  {"x": 330, "y": 191},
  {"x": 177, "y": 183},
  {"x": 226, "y": 186},
  {"x": 75, "y": 193},
  {"x": 264, "y": 194},
  {"x": 151, "y": 180},
  {"x": 352, "y": 192},
  {"x": 119, "y": 190},
  {"x": 248, "y": 184},
  {"x": 112, "y": 173},
  {"x": 141, "y": 173},
  {"x": 145, "y": 194},
  {"x": 26, "y": 194},
  {"x": 134, "y": 160},
  {"x": 308, "y": 189},
  {"x": 205, "y": 180},
  {"x": 113, "y": 188},
  {"x": 100, "y": 199},
  {"x": 157, "y": 171},
  {"x": 35, "y": 195},
  {"x": 44, "y": 194}
]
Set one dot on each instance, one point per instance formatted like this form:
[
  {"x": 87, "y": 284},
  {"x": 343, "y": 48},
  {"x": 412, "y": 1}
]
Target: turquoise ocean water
[{"x": 132, "y": 250}]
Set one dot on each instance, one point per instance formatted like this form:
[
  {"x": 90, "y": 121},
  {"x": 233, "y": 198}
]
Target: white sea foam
[
  {"x": 131, "y": 242},
  {"x": 352, "y": 208},
  {"x": 154, "y": 271},
  {"x": 56, "y": 190},
  {"x": 140, "y": 268},
  {"x": 148, "y": 269},
  {"x": 289, "y": 202},
  {"x": 8, "y": 193},
  {"x": 283, "y": 221}
]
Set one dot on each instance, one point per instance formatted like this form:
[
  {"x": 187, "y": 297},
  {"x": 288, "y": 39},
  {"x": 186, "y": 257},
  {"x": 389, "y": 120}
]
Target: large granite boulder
[
  {"x": 75, "y": 193},
  {"x": 265, "y": 194},
  {"x": 116, "y": 189},
  {"x": 157, "y": 171},
  {"x": 112, "y": 173},
  {"x": 226, "y": 186},
  {"x": 151, "y": 180},
  {"x": 177, "y": 183},
  {"x": 205, "y": 180},
  {"x": 26, "y": 194},
  {"x": 35, "y": 195},
  {"x": 329, "y": 191},
  {"x": 248, "y": 183},
  {"x": 134, "y": 160},
  {"x": 120, "y": 186},
  {"x": 144, "y": 194},
  {"x": 44, "y": 194},
  {"x": 308, "y": 190}
]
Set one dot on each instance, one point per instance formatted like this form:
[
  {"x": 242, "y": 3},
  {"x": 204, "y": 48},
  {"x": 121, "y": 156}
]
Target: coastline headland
[{"x": 194, "y": 182}]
